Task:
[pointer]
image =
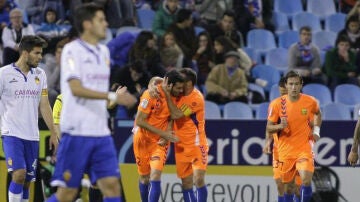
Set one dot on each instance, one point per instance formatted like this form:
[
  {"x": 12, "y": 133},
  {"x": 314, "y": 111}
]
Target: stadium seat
[
  {"x": 324, "y": 39},
  {"x": 268, "y": 73},
  {"x": 255, "y": 57},
  {"x": 260, "y": 40},
  {"x": 287, "y": 38},
  {"x": 261, "y": 111},
  {"x": 237, "y": 110},
  {"x": 198, "y": 30},
  {"x": 306, "y": 19},
  {"x": 335, "y": 22},
  {"x": 290, "y": 8},
  {"x": 257, "y": 88},
  {"x": 278, "y": 58},
  {"x": 336, "y": 111},
  {"x": 356, "y": 111},
  {"x": 347, "y": 94},
  {"x": 281, "y": 22},
  {"x": 322, "y": 8},
  {"x": 145, "y": 18},
  {"x": 274, "y": 92},
  {"x": 131, "y": 29},
  {"x": 320, "y": 92},
  {"x": 212, "y": 110}
]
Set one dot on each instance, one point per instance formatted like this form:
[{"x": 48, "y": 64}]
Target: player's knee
[
  {"x": 66, "y": 194},
  {"x": 199, "y": 181},
  {"x": 307, "y": 181},
  {"x": 18, "y": 176},
  {"x": 155, "y": 175},
  {"x": 110, "y": 187},
  {"x": 187, "y": 182},
  {"x": 144, "y": 179},
  {"x": 280, "y": 187}
]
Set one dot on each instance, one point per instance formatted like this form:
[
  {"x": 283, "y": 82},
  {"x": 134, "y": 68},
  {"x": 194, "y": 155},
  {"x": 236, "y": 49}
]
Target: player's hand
[
  {"x": 283, "y": 123},
  {"x": 162, "y": 142},
  {"x": 166, "y": 86},
  {"x": 125, "y": 98},
  {"x": 54, "y": 142},
  {"x": 353, "y": 158},
  {"x": 170, "y": 136},
  {"x": 153, "y": 90},
  {"x": 267, "y": 147}
]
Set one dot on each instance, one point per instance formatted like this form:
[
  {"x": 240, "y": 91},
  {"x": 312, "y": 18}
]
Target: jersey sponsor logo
[
  {"x": 37, "y": 80},
  {"x": 67, "y": 175},
  {"x": 13, "y": 80},
  {"x": 26, "y": 93},
  {"x": 144, "y": 103},
  {"x": 304, "y": 111}
]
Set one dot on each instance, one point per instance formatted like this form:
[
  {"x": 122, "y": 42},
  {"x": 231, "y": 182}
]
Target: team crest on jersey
[
  {"x": 10, "y": 162},
  {"x": 37, "y": 80},
  {"x": 13, "y": 80},
  {"x": 144, "y": 103},
  {"x": 67, "y": 175},
  {"x": 304, "y": 111}
]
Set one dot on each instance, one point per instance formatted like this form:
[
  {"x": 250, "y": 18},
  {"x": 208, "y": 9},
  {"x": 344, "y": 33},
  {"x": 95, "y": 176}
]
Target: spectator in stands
[
  {"x": 227, "y": 82},
  {"x": 340, "y": 63},
  {"x": 145, "y": 48},
  {"x": 226, "y": 27},
  {"x": 52, "y": 71},
  {"x": 203, "y": 57},
  {"x": 136, "y": 78},
  {"x": 168, "y": 41},
  {"x": 352, "y": 31},
  {"x": 119, "y": 48},
  {"x": 304, "y": 57},
  {"x": 5, "y": 8},
  {"x": 12, "y": 35},
  {"x": 169, "y": 57},
  {"x": 184, "y": 33},
  {"x": 211, "y": 11},
  {"x": 165, "y": 16},
  {"x": 34, "y": 9},
  {"x": 253, "y": 14}
]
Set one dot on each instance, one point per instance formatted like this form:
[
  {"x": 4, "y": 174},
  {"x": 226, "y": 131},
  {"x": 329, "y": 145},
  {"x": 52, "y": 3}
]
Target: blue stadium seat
[
  {"x": 268, "y": 73},
  {"x": 287, "y": 38},
  {"x": 255, "y": 57},
  {"x": 262, "y": 110},
  {"x": 335, "y": 22},
  {"x": 306, "y": 19},
  {"x": 257, "y": 88},
  {"x": 356, "y": 112},
  {"x": 322, "y": 8},
  {"x": 336, "y": 111},
  {"x": 281, "y": 22},
  {"x": 260, "y": 40},
  {"x": 278, "y": 58},
  {"x": 212, "y": 110},
  {"x": 324, "y": 39},
  {"x": 274, "y": 92},
  {"x": 347, "y": 94},
  {"x": 145, "y": 18},
  {"x": 290, "y": 8},
  {"x": 320, "y": 92},
  {"x": 237, "y": 110}
]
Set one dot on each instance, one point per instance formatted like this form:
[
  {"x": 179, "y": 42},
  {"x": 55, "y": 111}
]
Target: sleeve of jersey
[
  {"x": 57, "y": 110},
  {"x": 1, "y": 81},
  {"x": 145, "y": 103},
  {"x": 273, "y": 110},
  {"x": 70, "y": 67},
  {"x": 316, "y": 106}
]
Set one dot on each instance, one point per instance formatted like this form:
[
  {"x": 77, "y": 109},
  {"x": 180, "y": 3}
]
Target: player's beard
[{"x": 32, "y": 64}]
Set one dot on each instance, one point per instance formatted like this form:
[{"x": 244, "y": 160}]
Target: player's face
[
  {"x": 34, "y": 57},
  {"x": 99, "y": 25},
  {"x": 188, "y": 87},
  {"x": 293, "y": 86},
  {"x": 177, "y": 89}
]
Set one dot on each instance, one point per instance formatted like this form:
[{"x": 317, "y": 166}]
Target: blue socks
[
  {"x": 202, "y": 194},
  {"x": 189, "y": 195},
  {"x": 288, "y": 197},
  {"x": 305, "y": 193},
  {"x": 113, "y": 199},
  {"x": 52, "y": 199},
  {"x": 154, "y": 193},
  {"x": 15, "y": 188},
  {"x": 296, "y": 199},
  {"x": 144, "y": 191},
  {"x": 281, "y": 199}
]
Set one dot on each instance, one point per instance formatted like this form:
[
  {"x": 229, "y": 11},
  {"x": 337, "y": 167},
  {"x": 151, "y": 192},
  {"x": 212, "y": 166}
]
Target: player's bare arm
[
  {"x": 141, "y": 122},
  {"x": 162, "y": 141},
  {"x": 353, "y": 155},
  {"x": 175, "y": 113},
  {"x": 317, "y": 125},
  {"x": 268, "y": 140},
  {"x": 272, "y": 127},
  {"x": 46, "y": 113}
]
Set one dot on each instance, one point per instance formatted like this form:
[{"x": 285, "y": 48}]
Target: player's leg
[
  {"x": 15, "y": 161},
  {"x": 305, "y": 167},
  {"x": 157, "y": 162},
  {"x": 185, "y": 172},
  {"x": 199, "y": 166},
  {"x": 288, "y": 172},
  {"x": 298, "y": 183},
  {"x": 142, "y": 158},
  {"x": 31, "y": 158},
  {"x": 277, "y": 175}
]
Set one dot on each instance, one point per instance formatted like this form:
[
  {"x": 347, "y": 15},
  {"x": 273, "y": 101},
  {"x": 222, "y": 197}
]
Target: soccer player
[
  {"x": 191, "y": 152},
  {"x": 23, "y": 90},
  {"x": 291, "y": 117},
  {"x": 151, "y": 131},
  {"x": 353, "y": 156},
  {"x": 86, "y": 144}
]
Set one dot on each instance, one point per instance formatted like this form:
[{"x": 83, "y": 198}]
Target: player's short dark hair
[
  {"x": 292, "y": 74},
  {"x": 282, "y": 82},
  {"x": 174, "y": 76},
  {"x": 183, "y": 15},
  {"x": 29, "y": 42},
  {"x": 83, "y": 13},
  {"x": 190, "y": 75}
]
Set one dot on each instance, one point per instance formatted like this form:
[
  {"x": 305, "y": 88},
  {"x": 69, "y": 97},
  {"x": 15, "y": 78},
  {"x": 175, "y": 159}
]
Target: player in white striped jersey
[{"x": 23, "y": 91}]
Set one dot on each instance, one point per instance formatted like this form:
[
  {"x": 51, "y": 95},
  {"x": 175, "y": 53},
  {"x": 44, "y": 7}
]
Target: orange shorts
[
  {"x": 148, "y": 155},
  {"x": 189, "y": 158},
  {"x": 290, "y": 167}
]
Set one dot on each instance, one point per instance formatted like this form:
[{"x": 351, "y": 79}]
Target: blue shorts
[
  {"x": 21, "y": 154},
  {"x": 77, "y": 155}
]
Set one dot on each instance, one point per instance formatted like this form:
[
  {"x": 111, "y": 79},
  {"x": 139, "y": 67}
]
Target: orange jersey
[
  {"x": 158, "y": 114},
  {"x": 295, "y": 138},
  {"x": 191, "y": 128}
]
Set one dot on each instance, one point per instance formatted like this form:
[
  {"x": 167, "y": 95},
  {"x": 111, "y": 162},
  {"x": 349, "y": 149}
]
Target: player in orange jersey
[
  {"x": 151, "y": 124},
  {"x": 191, "y": 152},
  {"x": 291, "y": 117}
]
